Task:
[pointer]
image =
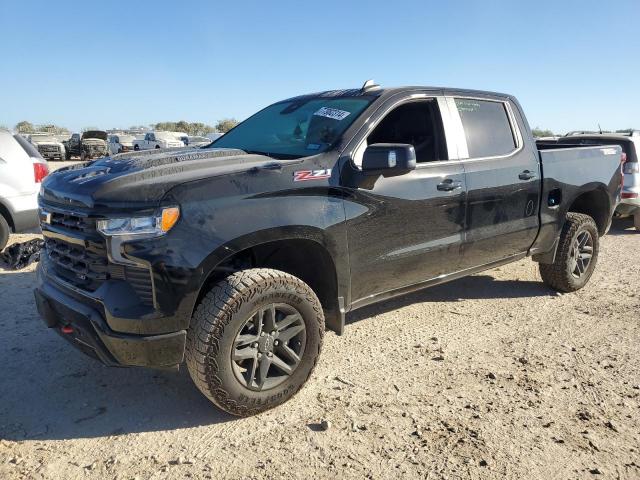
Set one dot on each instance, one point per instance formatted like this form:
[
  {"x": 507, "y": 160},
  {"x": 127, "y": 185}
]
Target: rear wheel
[
  {"x": 136, "y": 147},
  {"x": 4, "y": 232},
  {"x": 254, "y": 340},
  {"x": 576, "y": 257}
]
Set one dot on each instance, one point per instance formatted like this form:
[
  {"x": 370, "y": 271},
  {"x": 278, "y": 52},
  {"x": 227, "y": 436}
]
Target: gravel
[{"x": 562, "y": 400}]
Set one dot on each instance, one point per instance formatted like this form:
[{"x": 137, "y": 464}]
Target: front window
[{"x": 295, "y": 128}]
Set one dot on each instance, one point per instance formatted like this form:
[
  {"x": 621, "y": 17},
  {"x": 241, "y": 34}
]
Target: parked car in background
[
  {"x": 629, "y": 205},
  {"x": 154, "y": 140},
  {"x": 73, "y": 146},
  {"x": 235, "y": 257},
  {"x": 22, "y": 169},
  {"x": 50, "y": 147},
  {"x": 214, "y": 135},
  {"x": 195, "y": 141},
  {"x": 121, "y": 143},
  {"x": 91, "y": 144}
]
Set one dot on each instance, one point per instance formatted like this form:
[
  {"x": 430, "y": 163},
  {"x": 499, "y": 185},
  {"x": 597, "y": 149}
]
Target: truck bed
[{"x": 568, "y": 171}]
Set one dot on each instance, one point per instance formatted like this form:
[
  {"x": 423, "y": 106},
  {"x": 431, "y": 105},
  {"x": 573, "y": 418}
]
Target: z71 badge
[{"x": 304, "y": 175}]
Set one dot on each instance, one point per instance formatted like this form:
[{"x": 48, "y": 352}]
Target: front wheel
[
  {"x": 254, "y": 340},
  {"x": 576, "y": 257}
]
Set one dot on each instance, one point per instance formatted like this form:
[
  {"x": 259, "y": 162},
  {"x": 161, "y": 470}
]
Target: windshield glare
[{"x": 296, "y": 128}]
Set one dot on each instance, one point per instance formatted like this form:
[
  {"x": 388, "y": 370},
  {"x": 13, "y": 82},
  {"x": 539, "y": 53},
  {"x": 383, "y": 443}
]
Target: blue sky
[{"x": 572, "y": 64}]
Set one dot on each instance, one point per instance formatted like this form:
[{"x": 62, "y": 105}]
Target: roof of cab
[{"x": 388, "y": 92}]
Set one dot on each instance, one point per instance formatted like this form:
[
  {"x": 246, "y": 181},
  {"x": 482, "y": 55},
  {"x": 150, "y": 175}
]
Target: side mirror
[{"x": 388, "y": 159}]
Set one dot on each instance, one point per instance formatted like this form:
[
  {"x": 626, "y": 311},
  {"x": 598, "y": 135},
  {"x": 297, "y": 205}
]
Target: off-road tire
[
  {"x": 157, "y": 146},
  {"x": 221, "y": 315},
  {"x": 558, "y": 275},
  {"x": 136, "y": 148},
  {"x": 5, "y": 230}
]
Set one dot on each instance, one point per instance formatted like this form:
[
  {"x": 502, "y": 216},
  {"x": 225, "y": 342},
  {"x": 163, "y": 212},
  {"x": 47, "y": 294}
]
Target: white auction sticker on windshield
[{"x": 332, "y": 113}]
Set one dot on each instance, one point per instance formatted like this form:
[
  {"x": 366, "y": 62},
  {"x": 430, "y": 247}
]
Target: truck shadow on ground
[
  {"x": 51, "y": 391},
  {"x": 474, "y": 287},
  {"x": 623, "y": 226}
]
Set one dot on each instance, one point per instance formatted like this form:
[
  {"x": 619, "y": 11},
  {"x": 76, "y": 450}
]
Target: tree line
[{"x": 190, "y": 128}]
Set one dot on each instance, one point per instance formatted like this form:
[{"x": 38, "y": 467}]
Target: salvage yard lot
[{"x": 491, "y": 376}]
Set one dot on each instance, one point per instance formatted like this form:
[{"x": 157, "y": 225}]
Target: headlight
[{"x": 148, "y": 226}]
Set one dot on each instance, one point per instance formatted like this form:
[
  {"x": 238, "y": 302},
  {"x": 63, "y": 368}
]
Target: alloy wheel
[
  {"x": 269, "y": 346},
  {"x": 581, "y": 253}
]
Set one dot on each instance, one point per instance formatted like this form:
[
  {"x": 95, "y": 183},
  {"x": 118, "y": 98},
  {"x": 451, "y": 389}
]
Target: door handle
[
  {"x": 527, "y": 175},
  {"x": 449, "y": 185}
]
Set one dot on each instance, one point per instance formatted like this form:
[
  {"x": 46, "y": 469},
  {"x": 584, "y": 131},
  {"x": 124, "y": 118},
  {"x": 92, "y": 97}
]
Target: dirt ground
[{"x": 492, "y": 376}]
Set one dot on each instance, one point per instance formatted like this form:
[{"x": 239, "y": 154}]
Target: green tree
[
  {"x": 25, "y": 127},
  {"x": 538, "y": 132},
  {"x": 226, "y": 124},
  {"x": 190, "y": 128}
]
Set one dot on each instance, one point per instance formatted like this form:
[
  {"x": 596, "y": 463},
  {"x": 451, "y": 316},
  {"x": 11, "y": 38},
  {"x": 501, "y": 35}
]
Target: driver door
[{"x": 406, "y": 230}]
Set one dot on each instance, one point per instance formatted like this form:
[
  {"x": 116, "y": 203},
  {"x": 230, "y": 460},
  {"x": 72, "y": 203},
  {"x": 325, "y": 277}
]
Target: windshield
[
  {"x": 95, "y": 134},
  {"x": 126, "y": 138},
  {"x": 296, "y": 128}
]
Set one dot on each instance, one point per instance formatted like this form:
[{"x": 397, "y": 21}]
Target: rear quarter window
[
  {"x": 487, "y": 127},
  {"x": 27, "y": 147}
]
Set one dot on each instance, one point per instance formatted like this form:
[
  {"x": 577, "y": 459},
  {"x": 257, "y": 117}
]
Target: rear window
[
  {"x": 27, "y": 147},
  {"x": 487, "y": 127}
]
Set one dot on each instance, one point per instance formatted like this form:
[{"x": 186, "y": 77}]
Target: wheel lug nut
[{"x": 276, "y": 342}]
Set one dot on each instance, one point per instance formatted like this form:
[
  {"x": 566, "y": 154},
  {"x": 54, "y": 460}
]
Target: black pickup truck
[{"x": 236, "y": 256}]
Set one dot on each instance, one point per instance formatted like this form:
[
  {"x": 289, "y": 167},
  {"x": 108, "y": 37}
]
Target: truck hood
[{"x": 135, "y": 180}]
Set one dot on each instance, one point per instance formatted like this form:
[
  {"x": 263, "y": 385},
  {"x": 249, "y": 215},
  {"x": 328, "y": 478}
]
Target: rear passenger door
[{"x": 502, "y": 176}]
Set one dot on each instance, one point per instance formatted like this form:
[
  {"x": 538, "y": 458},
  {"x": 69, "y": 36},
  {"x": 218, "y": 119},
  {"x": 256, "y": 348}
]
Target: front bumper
[
  {"x": 53, "y": 156},
  {"x": 85, "y": 328}
]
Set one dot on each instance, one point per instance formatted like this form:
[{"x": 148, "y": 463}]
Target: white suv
[{"x": 22, "y": 169}]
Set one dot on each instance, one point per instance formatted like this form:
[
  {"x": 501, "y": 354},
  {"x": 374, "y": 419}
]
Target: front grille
[
  {"x": 72, "y": 221},
  {"x": 77, "y": 265},
  {"x": 95, "y": 150},
  {"x": 48, "y": 149},
  {"x": 86, "y": 266}
]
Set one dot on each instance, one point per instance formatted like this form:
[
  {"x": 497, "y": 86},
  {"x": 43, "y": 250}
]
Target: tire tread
[
  {"x": 555, "y": 274},
  {"x": 213, "y": 315}
]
